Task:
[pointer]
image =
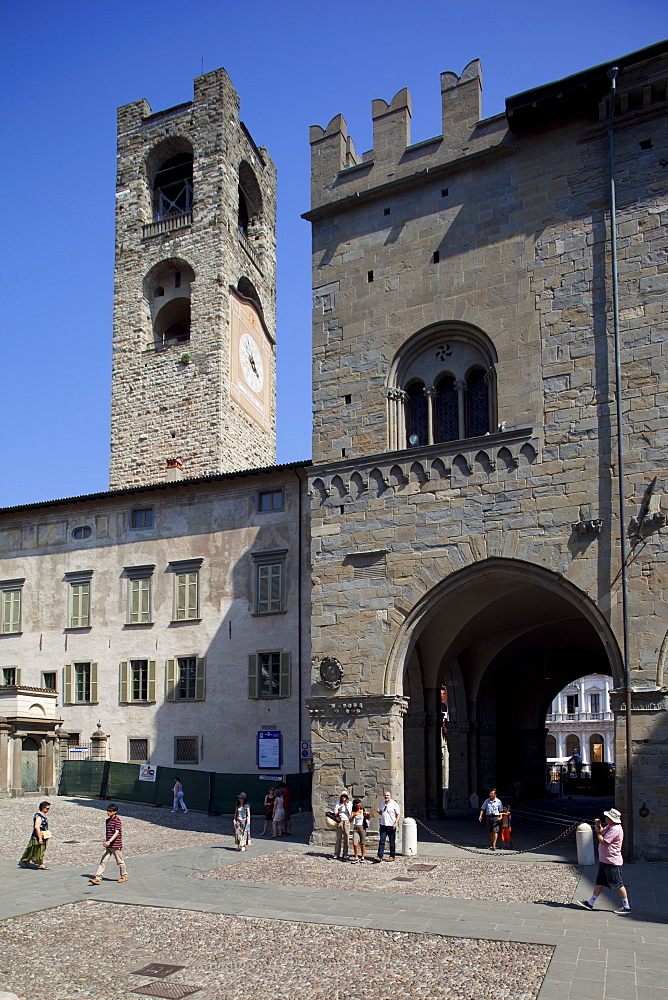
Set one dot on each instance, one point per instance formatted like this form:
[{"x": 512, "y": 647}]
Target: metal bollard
[
  {"x": 409, "y": 847},
  {"x": 584, "y": 838}
]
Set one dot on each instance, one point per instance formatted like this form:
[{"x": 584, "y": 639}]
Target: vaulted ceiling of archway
[{"x": 509, "y": 636}]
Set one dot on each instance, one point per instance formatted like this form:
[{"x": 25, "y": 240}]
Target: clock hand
[{"x": 251, "y": 361}]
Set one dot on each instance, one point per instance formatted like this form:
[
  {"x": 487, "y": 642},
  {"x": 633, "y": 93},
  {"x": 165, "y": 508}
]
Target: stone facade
[
  {"x": 468, "y": 574},
  {"x": 173, "y": 413},
  {"x": 218, "y": 529}
]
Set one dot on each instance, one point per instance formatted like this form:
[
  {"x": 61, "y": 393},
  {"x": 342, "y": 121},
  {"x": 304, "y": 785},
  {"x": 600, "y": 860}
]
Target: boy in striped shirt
[{"x": 113, "y": 845}]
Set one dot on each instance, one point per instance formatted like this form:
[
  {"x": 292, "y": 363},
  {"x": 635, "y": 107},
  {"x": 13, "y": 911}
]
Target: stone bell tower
[{"x": 193, "y": 375}]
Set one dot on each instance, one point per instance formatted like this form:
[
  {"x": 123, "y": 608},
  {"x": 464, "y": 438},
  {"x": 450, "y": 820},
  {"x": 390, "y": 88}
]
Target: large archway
[{"x": 480, "y": 659}]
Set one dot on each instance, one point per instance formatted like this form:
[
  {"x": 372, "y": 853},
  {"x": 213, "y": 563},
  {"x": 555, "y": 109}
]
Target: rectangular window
[
  {"x": 186, "y": 678},
  {"x": 10, "y": 676},
  {"x": 80, "y": 684},
  {"x": 571, "y": 704},
  {"x": 595, "y": 703},
  {"x": 49, "y": 680},
  {"x": 139, "y": 601},
  {"x": 80, "y": 605},
  {"x": 142, "y": 517},
  {"x": 137, "y": 751},
  {"x": 187, "y": 606},
  {"x": 269, "y": 675},
  {"x": 269, "y": 588},
  {"x": 270, "y": 500},
  {"x": 11, "y": 610},
  {"x": 137, "y": 680},
  {"x": 186, "y": 750}
]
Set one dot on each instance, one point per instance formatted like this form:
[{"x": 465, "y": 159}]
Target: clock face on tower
[{"x": 250, "y": 361}]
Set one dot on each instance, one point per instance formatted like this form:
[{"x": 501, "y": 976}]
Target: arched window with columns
[{"x": 442, "y": 387}]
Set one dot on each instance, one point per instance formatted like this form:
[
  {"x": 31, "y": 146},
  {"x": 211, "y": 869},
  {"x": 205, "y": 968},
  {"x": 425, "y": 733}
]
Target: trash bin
[{"x": 409, "y": 837}]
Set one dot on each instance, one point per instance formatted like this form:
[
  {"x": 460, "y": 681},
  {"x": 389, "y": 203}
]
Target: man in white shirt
[
  {"x": 389, "y": 813},
  {"x": 492, "y": 808}
]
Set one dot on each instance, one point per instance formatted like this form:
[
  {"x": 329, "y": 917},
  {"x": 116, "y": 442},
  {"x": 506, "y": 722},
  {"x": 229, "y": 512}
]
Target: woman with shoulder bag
[{"x": 34, "y": 852}]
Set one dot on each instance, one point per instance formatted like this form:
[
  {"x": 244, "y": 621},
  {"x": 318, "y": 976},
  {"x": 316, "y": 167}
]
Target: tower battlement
[{"x": 333, "y": 150}]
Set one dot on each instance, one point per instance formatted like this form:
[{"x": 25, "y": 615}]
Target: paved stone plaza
[{"x": 278, "y": 933}]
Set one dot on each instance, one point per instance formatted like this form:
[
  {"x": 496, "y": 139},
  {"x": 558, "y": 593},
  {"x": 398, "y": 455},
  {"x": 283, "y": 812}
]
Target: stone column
[
  {"x": 41, "y": 766},
  {"x": 357, "y": 745},
  {"x": 98, "y": 744},
  {"x": 430, "y": 393},
  {"x": 460, "y": 387},
  {"x": 5, "y": 780},
  {"x": 458, "y": 734},
  {"x": 17, "y": 777},
  {"x": 63, "y": 745},
  {"x": 50, "y": 777}
]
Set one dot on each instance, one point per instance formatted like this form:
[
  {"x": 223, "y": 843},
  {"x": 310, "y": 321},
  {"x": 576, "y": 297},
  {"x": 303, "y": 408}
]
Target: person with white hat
[{"x": 610, "y": 861}]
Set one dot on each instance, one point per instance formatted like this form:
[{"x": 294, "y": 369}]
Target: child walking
[
  {"x": 506, "y": 826},
  {"x": 113, "y": 845}
]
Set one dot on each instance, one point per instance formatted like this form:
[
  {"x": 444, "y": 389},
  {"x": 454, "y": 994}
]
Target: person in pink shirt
[{"x": 610, "y": 861}]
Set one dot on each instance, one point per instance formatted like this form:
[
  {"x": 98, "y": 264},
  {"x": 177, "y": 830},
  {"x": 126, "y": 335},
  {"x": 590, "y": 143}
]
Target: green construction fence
[{"x": 206, "y": 791}]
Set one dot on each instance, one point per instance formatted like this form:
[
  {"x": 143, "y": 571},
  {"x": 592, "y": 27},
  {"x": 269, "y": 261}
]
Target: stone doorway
[
  {"x": 29, "y": 764},
  {"x": 493, "y": 646}
]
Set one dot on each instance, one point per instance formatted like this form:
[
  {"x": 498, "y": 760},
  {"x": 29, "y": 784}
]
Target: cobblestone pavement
[
  {"x": 233, "y": 958},
  {"x": 77, "y": 827},
  {"x": 469, "y": 879}
]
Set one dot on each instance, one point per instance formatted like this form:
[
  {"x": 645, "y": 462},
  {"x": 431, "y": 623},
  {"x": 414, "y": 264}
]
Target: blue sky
[{"x": 65, "y": 68}]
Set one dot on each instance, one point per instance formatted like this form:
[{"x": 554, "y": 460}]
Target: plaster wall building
[
  {"x": 465, "y": 522},
  {"x": 176, "y": 616},
  {"x": 580, "y": 720}
]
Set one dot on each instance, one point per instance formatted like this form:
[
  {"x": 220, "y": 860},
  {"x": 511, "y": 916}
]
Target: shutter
[
  {"x": 275, "y": 588},
  {"x": 17, "y": 677},
  {"x": 12, "y": 611},
  {"x": 150, "y": 687},
  {"x": 145, "y": 604},
  {"x": 85, "y": 605},
  {"x": 200, "y": 677},
  {"x": 93, "y": 682},
  {"x": 180, "y": 598},
  {"x": 192, "y": 595},
  {"x": 67, "y": 685},
  {"x": 134, "y": 601},
  {"x": 74, "y": 596},
  {"x": 171, "y": 680},
  {"x": 124, "y": 686},
  {"x": 284, "y": 684},
  {"x": 253, "y": 676},
  {"x": 262, "y": 589}
]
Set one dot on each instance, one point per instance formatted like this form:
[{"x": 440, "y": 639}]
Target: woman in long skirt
[
  {"x": 242, "y": 823},
  {"x": 34, "y": 852}
]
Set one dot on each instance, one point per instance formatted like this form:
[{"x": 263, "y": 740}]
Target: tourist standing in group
[
  {"x": 389, "y": 813},
  {"x": 359, "y": 819},
  {"x": 39, "y": 838},
  {"x": 278, "y": 815},
  {"x": 113, "y": 845},
  {"x": 268, "y": 810},
  {"x": 287, "y": 808},
  {"x": 177, "y": 791},
  {"x": 241, "y": 822},
  {"x": 492, "y": 809},
  {"x": 342, "y": 813},
  {"x": 610, "y": 861}
]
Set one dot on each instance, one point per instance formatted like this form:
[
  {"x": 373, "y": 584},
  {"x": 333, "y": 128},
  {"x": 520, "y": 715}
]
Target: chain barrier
[{"x": 480, "y": 850}]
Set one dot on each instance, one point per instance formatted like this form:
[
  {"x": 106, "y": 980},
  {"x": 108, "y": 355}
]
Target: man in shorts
[
  {"x": 610, "y": 861},
  {"x": 491, "y": 809}
]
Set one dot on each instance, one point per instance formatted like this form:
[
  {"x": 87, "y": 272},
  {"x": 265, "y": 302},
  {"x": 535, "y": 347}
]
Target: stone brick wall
[
  {"x": 521, "y": 225},
  {"x": 163, "y": 408}
]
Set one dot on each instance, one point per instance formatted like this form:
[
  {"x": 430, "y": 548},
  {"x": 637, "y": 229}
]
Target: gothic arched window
[
  {"x": 446, "y": 410},
  {"x": 418, "y": 415},
  {"x": 477, "y": 403},
  {"x": 442, "y": 387}
]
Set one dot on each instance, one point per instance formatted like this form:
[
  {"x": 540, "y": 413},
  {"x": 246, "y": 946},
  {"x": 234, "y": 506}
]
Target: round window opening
[{"x": 83, "y": 532}]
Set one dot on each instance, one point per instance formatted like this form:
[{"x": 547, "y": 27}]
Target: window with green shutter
[
  {"x": 11, "y": 610},
  {"x": 269, "y": 675},
  {"x": 139, "y": 602},
  {"x": 80, "y": 683},
  {"x": 269, "y": 581},
  {"x": 79, "y": 605},
  {"x": 186, "y": 596},
  {"x": 186, "y": 678}
]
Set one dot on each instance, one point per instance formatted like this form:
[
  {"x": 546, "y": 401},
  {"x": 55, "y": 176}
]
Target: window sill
[
  {"x": 135, "y": 625},
  {"x": 185, "y": 621},
  {"x": 75, "y": 703},
  {"x": 268, "y": 697},
  {"x": 138, "y": 701},
  {"x": 268, "y": 614},
  {"x": 8, "y": 635},
  {"x": 78, "y": 628}
]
